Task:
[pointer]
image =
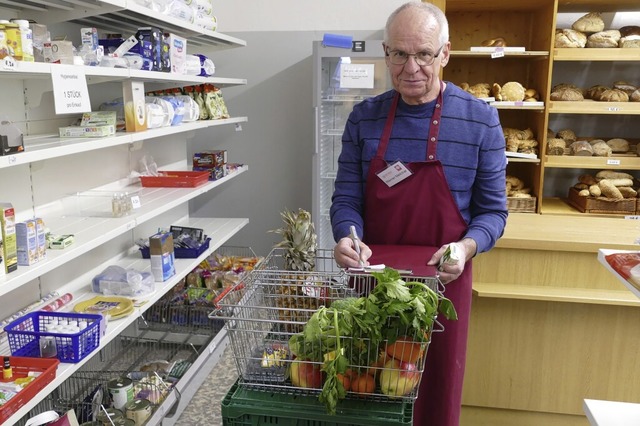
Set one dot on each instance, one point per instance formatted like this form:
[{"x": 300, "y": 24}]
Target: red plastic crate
[
  {"x": 21, "y": 366},
  {"x": 175, "y": 179}
]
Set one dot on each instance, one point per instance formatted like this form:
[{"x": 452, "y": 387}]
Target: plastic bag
[{"x": 118, "y": 281}]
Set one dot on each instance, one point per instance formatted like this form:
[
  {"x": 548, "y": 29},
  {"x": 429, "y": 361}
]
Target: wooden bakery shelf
[
  {"x": 581, "y": 162},
  {"x": 594, "y": 54},
  {"x": 594, "y": 107},
  {"x": 538, "y": 54},
  {"x": 555, "y": 294}
]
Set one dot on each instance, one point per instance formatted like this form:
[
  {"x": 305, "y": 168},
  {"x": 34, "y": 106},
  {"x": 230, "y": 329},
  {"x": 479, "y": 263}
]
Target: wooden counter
[{"x": 550, "y": 326}]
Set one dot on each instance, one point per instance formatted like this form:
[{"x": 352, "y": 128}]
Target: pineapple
[{"x": 299, "y": 241}]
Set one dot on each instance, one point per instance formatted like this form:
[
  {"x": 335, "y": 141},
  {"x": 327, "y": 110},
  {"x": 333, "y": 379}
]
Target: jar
[{"x": 14, "y": 40}]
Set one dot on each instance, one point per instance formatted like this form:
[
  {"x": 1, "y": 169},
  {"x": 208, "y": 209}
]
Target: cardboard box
[
  {"x": 9, "y": 247},
  {"x": 210, "y": 159},
  {"x": 99, "y": 118},
  {"x": 41, "y": 238},
  {"x": 162, "y": 256},
  {"x": 135, "y": 115},
  {"x": 27, "y": 242},
  {"x": 177, "y": 53}
]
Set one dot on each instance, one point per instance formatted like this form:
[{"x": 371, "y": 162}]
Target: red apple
[
  {"x": 305, "y": 374},
  {"x": 398, "y": 378}
]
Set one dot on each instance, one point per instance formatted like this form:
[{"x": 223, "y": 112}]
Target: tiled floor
[{"x": 204, "y": 408}]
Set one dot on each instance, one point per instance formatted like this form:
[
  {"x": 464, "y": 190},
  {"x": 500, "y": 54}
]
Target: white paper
[
  {"x": 356, "y": 76},
  {"x": 70, "y": 92}
]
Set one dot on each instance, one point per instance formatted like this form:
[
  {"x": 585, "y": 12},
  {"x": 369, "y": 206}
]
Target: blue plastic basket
[{"x": 24, "y": 335}]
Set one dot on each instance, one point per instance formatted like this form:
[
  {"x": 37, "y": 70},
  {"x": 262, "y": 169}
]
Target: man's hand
[
  {"x": 449, "y": 271},
  {"x": 346, "y": 256}
]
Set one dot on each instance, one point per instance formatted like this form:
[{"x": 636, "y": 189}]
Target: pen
[{"x": 356, "y": 243}]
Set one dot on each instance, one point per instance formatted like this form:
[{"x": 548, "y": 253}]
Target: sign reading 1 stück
[{"x": 70, "y": 92}]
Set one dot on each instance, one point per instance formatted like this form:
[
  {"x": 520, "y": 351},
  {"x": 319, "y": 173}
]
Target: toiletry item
[{"x": 7, "y": 374}]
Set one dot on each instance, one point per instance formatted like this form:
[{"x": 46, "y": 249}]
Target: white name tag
[{"x": 395, "y": 173}]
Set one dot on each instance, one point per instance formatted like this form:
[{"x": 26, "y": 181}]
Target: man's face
[{"x": 414, "y": 38}]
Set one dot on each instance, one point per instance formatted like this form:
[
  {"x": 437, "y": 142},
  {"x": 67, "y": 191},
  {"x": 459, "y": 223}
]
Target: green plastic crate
[{"x": 251, "y": 407}]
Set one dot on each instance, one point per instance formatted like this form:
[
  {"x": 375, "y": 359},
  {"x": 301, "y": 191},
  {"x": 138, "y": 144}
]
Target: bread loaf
[
  {"x": 610, "y": 174},
  {"x": 494, "y": 42},
  {"x": 604, "y": 39},
  {"x": 621, "y": 182},
  {"x": 510, "y": 91},
  {"x": 590, "y": 23},
  {"x": 635, "y": 96},
  {"x": 614, "y": 95},
  {"x": 601, "y": 149},
  {"x": 628, "y": 30},
  {"x": 587, "y": 179},
  {"x": 570, "y": 38},
  {"x": 581, "y": 148},
  {"x": 618, "y": 144},
  {"x": 556, "y": 146},
  {"x": 609, "y": 190},
  {"x": 594, "y": 190},
  {"x": 631, "y": 41},
  {"x": 628, "y": 192},
  {"x": 567, "y": 134},
  {"x": 594, "y": 92},
  {"x": 567, "y": 95},
  {"x": 628, "y": 88}
]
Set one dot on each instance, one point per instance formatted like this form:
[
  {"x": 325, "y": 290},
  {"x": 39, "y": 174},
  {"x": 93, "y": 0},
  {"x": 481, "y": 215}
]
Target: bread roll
[
  {"x": 556, "y": 146},
  {"x": 494, "y": 42},
  {"x": 609, "y": 190},
  {"x": 610, "y": 174},
  {"x": 531, "y": 94},
  {"x": 594, "y": 190},
  {"x": 628, "y": 192},
  {"x": 614, "y": 95},
  {"x": 584, "y": 193},
  {"x": 580, "y": 186},
  {"x": 480, "y": 90},
  {"x": 510, "y": 91},
  {"x": 581, "y": 148},
  {"x": 601, "y": 149},
  {"x": 604, "y": 39},
  {"x": 631, "y": 41},
  {"x": 635, "y": 96},
  {"x": 618, "y": 145},
  {"x": 594, "y": 92},
  {"x": 590, "y": 23},
  {"x": 587, "y": 179},
  {"x": 567, "y": 95},
  {"x": 570, "y": 38},
  {"x": 567, "y": 134}
]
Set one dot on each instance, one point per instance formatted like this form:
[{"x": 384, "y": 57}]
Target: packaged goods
[
  {"x": 177, "y": 53},
  {"x": 26, "y": 36},
  {"x": 26, "y": 242},
  {"x": 210, "y": 159},
  {"x": 162, "y": 256},
  {"x": 135, "y": 113},
  {"x": 9, "y": 247}
]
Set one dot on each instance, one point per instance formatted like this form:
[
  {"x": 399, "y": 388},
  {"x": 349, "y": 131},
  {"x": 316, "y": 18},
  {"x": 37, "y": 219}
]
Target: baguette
[{"x": 609, "y": 190}]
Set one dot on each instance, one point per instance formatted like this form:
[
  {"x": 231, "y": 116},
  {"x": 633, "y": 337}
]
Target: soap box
[
  {"x": 26, "y": 242},
  {"x": 162, "y": 256},
  {"x": 9, "y": 247}
]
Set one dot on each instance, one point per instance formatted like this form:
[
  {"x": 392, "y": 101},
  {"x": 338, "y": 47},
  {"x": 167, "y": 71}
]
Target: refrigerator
[{"x": 342, "y": 77}]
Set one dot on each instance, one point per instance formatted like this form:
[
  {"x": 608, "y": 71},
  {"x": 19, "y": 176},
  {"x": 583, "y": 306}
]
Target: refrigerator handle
[{"x": 316, "y": 130}]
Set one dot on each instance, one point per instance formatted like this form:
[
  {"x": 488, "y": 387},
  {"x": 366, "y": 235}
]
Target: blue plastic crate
[{"x": 24, "y": 335}]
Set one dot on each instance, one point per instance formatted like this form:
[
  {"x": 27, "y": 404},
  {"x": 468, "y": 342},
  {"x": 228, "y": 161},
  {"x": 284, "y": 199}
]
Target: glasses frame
[{"x": 388, "y": 52}]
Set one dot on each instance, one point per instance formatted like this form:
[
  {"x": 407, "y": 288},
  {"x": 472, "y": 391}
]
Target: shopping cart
[{"x": 274, "y": 305}]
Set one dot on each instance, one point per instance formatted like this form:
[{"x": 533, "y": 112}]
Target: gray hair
[{"x": 429, "y": 10}]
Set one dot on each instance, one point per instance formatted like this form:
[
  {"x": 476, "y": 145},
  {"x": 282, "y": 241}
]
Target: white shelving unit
[{"x": 45, "y": 186}]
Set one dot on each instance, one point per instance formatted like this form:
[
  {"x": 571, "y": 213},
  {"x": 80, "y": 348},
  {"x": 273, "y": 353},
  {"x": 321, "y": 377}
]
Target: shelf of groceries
[
  {"x": 119, "y": 15},
  {"x": 220, "y": 230},
  {"x": 93, "y": 229}
]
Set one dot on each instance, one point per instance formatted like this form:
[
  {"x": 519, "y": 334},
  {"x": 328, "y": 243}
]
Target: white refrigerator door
[{"x": 341, "y": 78}]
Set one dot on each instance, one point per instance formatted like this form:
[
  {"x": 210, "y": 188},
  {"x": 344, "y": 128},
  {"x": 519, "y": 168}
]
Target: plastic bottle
[
  {"x": 116, "y": 210},
  {"x": 7, "y": 373},
  {"x": 26, "y": 36}
]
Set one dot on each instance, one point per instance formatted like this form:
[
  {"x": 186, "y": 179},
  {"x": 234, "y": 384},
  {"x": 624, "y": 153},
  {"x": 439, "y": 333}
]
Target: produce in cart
[{"x": 391, "y": 326}]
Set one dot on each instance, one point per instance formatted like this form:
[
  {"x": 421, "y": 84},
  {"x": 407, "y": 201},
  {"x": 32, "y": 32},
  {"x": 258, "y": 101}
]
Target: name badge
[{"x": 394, "y": 174}]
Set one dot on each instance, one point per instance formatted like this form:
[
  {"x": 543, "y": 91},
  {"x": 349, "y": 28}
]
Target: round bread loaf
[
  {"x": 601, "y": 149},
  {"x": 581, "y": 148},
  {"x": 567, "y": 95},
  {"x": 590, "y": 23},
  {"x": 556, "y": 146},
  {"x": 628, "y": 30},
  {"x": 594, "y": 92},
  {"x": 570, "y": 38},
  {"x": 604, "y": 39},
  {"x": 628, "y": 88},
  {"x": 618, "y": 145},
  {"x": 635, "y": 97},
  {"x": 614, "y": 95},
  {"x": 629, "y": 41},
  {"x": 567, "y": 134}
]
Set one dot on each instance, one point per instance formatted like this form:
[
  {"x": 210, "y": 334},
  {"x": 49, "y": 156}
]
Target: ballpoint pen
[{"x": 356, "y": 243}]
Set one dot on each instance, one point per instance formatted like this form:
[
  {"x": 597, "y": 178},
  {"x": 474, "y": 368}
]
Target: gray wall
[{"x": 277, "y": 140}]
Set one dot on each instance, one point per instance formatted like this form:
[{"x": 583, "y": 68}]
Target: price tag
[
  {"x": 498, "y": 53},
  {"x": 70, "y": 92},
  {"x": 632, "y": 217},
  {"x": 135, "y": 202},
  {"x": 9, "y": 64},
  {"x": 614, "y": 109},
  {"x": 238, "y": 127},
  {"x": 613, "y": 162}
]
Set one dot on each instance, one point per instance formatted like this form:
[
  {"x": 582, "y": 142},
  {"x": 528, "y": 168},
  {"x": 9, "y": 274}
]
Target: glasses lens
[{"x": 398, "y": 57}]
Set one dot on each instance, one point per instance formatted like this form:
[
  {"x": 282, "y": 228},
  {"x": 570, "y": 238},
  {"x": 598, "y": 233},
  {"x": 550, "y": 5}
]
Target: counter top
[{"x": 567, "y": 233}]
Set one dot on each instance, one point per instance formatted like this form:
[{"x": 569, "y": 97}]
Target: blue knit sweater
[{"x": 471, "y": 147}]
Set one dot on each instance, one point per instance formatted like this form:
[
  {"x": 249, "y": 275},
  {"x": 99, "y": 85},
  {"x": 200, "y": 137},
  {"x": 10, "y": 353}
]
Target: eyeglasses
[{"x": 423, "y": 59}]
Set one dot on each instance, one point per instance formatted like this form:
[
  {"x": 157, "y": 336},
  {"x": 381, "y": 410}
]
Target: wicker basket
[
  {"x": 601, "y": 205},
  {"x": 521, "y": 205}
]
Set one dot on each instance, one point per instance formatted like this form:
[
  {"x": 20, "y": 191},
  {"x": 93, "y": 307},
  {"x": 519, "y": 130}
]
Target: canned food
[
  {"x": 138, "y": 410},
  {"x": 124, "y": 422},
  {"x": 121, "y": 391},
  {"x": 108, "y": 416}
]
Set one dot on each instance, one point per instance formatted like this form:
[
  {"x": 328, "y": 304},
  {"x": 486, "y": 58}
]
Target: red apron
[{"x": 404, "y": 225}]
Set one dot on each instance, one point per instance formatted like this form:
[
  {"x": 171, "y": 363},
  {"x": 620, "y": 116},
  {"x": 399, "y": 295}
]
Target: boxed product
[
  {"x": 26, "y": 242},
  {"x": 41, "y": 238},
  {"x": 177, "y": 53},
  {"x": 135, "y": 113},
  {"x": 87, "y": 131},
  {"x": 215, "y": 173},
  {"x": 162, "y": 256},
  {"x": 58, "y": 52},
  {"x": 9, "y": 248},
  {"x": 210, "y": 159}
]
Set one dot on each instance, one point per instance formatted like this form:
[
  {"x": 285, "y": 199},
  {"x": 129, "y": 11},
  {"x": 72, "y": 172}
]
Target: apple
[
  {"x": 398, "y": 378},
  {"x": 305, "y": 374}
]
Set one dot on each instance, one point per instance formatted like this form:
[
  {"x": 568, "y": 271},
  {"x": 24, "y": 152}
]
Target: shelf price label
[
  {"x": 498, "y": 53},
  {"x": 9, "y": 64},
  {"x": 612, "y": 162},
  {"x": 70, "y": 92}
]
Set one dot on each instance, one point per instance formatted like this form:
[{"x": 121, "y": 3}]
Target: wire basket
[{"x": 273, "y": 305}]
